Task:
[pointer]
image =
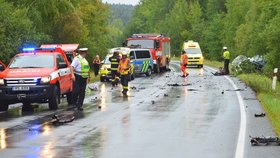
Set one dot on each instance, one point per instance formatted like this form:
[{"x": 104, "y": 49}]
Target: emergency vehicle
[
  {"x": 159, "y": 46},
  {"x": 69, "y": 49},
  {"x": 195, "y": 56},
  {"x": 36, "y": 76},
  {"x": 2, "y": 66},
  {"x": 105, "y": 70}
]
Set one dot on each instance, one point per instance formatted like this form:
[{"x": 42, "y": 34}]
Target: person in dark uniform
[
  {"x": 80, "y": 71},
  {"x": 124, "y": 68},
  {"x": 115, "y": 60}
]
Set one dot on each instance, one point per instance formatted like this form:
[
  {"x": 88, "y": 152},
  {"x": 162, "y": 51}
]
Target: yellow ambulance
[{"x": 195, "y": 56}]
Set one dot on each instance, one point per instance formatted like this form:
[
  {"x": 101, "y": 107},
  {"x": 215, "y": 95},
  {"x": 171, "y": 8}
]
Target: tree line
[
  {"x": 247, "y": 27},
  {"x": 30, "y": 23}
]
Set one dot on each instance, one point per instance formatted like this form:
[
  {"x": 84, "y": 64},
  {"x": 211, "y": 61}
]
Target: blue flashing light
[
  {"x": 28, "y": 49},
  {"x": 50, "y": 49}
]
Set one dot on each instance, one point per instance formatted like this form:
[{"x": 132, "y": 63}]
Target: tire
[
  {"x": 149, "y": 72},
  {"x": 55, "y": 99},
  {"x": 26, "y": 107},
  {"x": 4, "y": 106},
  {"x": 102, "y": 79},
  {"x": 156, "y": 68}
]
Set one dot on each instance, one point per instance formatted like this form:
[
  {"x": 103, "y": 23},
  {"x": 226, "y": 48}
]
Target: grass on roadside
[
  {"x": 262, "y": 85},
  {"x": 93, "y": 78}
]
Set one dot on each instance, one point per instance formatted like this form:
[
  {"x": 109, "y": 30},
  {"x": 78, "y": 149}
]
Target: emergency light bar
[{"x": 34, "y": 49}]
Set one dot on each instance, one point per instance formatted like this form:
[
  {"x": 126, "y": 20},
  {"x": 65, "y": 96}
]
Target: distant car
[
  {"x": 105, "y": 70},
  {"x": 142, "y": 60},
  {"x": 2, "y": 66},
  {"x": 195, "y": 56}
]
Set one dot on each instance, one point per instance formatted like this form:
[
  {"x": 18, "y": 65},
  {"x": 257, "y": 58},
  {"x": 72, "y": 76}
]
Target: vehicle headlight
[
  {"x": 2, "y": 82},
  {"x": 45, "y": 79},
  {"x": 103, "y": 68}
]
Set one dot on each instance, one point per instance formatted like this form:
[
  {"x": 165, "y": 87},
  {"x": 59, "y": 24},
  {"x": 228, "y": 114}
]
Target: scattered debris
[
  {"x": 178, "y": 96},
  {"x": 192, "y": 90},
  {"x": 165, "y": 95},
  {"x": 99, "y": 107},
  {"x": 264, "y": 141},
  {"x": 94, "y": 87},
  {"x": 157, "y": 96},
  {"x": 56, "y": 120},
  {"x": 223, "y": 92},
  {"x": 133, "y": 87},
  {"x": 178, "y": 85},
  {"x": 244, "y": 64},
  {"x": 260, "y": 115},
  {"x": 142, "y": 88},
  {"x": 250, "y": 99},
  {"x": 236, "y": 89},
  {"x": 221, "y": 72},
  {"x": 153, "y": 102}
]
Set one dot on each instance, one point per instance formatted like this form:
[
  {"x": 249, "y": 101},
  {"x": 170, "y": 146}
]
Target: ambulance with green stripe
[{"x": 142, "y": 60}]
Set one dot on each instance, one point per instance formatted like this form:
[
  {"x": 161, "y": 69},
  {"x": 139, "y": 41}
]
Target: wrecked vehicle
[{"x": 247, "y": 65}]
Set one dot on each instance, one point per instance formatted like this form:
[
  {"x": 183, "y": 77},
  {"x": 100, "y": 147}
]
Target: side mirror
[
  {"x": 157, "y": 44},
  {"x": 62, "y": 65},
  {"x": 2, "y": 68}
]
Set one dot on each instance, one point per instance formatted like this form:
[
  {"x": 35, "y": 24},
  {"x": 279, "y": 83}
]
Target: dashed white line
[{"x": 240, "y": 147}]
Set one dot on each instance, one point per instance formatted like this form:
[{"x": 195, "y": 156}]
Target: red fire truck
[{"x": 158, "y": 44}]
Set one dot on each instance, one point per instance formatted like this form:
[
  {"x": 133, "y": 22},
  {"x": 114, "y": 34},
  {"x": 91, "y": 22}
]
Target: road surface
[{"x": 204, "y": 117}]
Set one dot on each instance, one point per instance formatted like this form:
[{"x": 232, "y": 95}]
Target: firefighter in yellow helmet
[{"x": 123, "y": 69}]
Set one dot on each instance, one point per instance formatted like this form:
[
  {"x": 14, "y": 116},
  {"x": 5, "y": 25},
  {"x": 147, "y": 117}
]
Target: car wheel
[
  {"x": 27, "y": 107},
  {"x": 149, "y": 72},
  {"x": 4, "y": 106},
  {"x": 102, "y": 79},
  {"x": 55, "y": 99}
]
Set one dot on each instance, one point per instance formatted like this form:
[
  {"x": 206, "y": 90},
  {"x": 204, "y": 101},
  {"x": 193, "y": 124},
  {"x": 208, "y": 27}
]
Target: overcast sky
[{"x": 133, "y": 2}]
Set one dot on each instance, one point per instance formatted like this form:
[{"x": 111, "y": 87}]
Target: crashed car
[{"x": 247, "y": 65}]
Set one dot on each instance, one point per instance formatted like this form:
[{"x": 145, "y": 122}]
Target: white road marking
[{"x": 239, "y": 153}]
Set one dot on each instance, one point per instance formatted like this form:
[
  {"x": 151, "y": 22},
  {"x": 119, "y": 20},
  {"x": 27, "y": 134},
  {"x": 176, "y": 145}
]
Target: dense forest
[
  {"x": 247, "y": 27},
  {"x": 25, "y": 23}
]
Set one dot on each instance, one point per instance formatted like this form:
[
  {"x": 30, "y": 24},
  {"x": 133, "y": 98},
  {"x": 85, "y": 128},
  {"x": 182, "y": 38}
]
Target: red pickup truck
[{"x": 36, "y": 76}]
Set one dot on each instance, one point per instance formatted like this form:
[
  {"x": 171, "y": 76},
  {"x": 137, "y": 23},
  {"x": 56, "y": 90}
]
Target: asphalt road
[{"x": 194, "y": 120}]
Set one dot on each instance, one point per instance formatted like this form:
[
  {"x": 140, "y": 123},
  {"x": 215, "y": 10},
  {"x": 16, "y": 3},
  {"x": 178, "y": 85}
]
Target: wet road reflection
[{"x": 3, "y": 143}]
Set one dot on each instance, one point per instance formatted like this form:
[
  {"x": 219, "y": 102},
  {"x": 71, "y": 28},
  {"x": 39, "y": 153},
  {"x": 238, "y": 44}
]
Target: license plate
[{"x": 21, "y": 88}]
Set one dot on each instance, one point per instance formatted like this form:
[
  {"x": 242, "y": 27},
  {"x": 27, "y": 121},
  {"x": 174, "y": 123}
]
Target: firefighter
[
  {"x": 184, "y": 62},
  {"x": 115, "y": 60},
  {"x": 80, "y": 71},
  {"x": 123, "y": 69},
  {"x": 226, "y": 57}
]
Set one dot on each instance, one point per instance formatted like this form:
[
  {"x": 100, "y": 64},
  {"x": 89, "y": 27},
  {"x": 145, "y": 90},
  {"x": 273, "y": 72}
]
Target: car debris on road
[
  {"x": 264, "y": 141},
  {"x": 260, "y": 115}
]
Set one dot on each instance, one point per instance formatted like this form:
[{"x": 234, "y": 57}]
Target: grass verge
[
  {"x": 261, "y": 84},
  {"x": 93, "y": 78}
]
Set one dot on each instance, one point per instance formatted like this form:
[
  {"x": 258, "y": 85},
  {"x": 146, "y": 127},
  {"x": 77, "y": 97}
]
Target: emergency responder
[
  {"x": 115, "y": 60},
  {"x": 80, "y": 71},
  {"x": 226, "y": 57},
  {"x": 123, "y": 69},
  {"x": 184, "y": 62}
]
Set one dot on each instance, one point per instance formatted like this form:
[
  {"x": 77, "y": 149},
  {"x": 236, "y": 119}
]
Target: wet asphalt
[{"x": 159, "y": 119}]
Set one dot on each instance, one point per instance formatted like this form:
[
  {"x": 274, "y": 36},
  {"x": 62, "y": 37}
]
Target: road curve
[{"x": 156, "y": 121}]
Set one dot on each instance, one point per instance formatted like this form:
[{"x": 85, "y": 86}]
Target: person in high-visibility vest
[
  {"x": 226, "y": 56},
  {"x": 80, "y": 71},
  {"x": 115, "y": 60},
  {"x": 123, "y": 69},
  {"x": 184, "y": 63}
]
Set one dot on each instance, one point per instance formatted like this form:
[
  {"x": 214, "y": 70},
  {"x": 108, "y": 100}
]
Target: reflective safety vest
[
  {"x": 123, "y": 66},
  {"x": 226, "y": 55},
  {"x": 85, "y": 67},
  {"x": 114, "y": 63},
  {"x": 184, "y": 59}
]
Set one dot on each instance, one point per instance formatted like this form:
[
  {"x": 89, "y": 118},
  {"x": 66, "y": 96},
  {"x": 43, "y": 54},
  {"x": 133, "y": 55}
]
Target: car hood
[
  {"x": 25, "y": 73},
  {"x": 194, "y": 55}
]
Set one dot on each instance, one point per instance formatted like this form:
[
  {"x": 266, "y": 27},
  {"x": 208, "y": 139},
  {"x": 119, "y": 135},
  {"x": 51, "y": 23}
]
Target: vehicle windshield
[
  {"x": 193, "y": 51},
  {"x": 33, "y": 61},
  {"x": 106, "y": 60},
  {"x": 142, "y": 43}
]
